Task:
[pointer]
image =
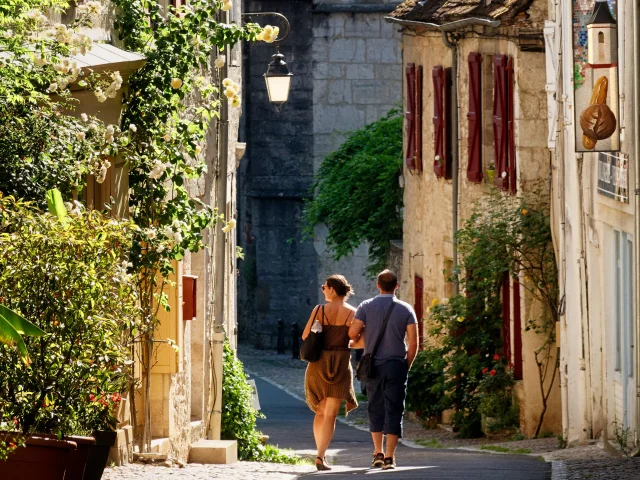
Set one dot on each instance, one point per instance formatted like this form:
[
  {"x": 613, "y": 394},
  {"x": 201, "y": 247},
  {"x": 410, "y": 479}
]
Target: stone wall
[
  {"x": 357, "y": 78},
  {"x": 278, "y": 279},
  {"x": 347, "y": 70}
]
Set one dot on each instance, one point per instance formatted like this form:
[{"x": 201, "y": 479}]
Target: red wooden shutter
[
  {"x": 439, "y": 78},
  {"x": 506, "y": 317},
  {"x": 511, "y": 142},
  {"x": 517, "y": 332},
  {"x": 448, "y": 126},
  {"x": 500, "y": 119},
  {"x": 418, "y": 307},
  {"x": 474, "y": 119},
  {"x": 418, "y": 120},
  {"x": 410, "y": 115}
]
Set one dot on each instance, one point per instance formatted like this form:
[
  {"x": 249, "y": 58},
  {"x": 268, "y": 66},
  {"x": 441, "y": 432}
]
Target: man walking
[{"x": 387, "y": 390}]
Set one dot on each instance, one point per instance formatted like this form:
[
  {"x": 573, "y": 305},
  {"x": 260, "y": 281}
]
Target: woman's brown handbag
[
  {"x": 312, "y": 345},
  {"x": 366, "y": 368}
]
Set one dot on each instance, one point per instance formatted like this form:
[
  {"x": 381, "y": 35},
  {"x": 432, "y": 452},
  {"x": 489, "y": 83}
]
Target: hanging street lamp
[{"x": 278, "y": 76}]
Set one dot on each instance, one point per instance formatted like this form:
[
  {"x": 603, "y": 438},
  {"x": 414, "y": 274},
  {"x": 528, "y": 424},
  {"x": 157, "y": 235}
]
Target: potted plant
[
  {"x": 491, "y": 172},
  {"x": 67, "y": 278}
]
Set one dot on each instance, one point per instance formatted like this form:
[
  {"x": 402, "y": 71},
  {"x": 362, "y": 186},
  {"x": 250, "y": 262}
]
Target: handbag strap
[{"x": 384, "y": 327}]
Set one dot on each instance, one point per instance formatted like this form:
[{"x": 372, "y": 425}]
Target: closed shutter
[
  {"x": 474, "y": 119},
  {"x": 418, "y": 307},
  {"x": 440, "y": 160},
  {"x": 517, "y": 331},
  {"x": 500, "y": 120},
  {"x": 418, "y": 120},
  {"x": 410, "y": 115},
  {"x": 511, "y": 131},
  {"x": 506, "y": 316}
]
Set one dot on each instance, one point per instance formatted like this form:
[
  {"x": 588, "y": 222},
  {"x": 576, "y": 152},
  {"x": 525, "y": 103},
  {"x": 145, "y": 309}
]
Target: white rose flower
[
  {"x": 220, "y": 61},
  {"x": 84, "y": 117},
  {"x": 235, "y": 102},
  {"x": 94, "y": 8},
  {"x": 226, "y": 6},
  {"x": 110, "y": 129},
  {"x": 53, "y": 87},
  {"x": 7, "y": 34},
  {"x": 260, "y": 36},
  {"x": 160, "y": 248},
  {"x": 231, "y": 224},
  {"x": 176, "y": 224},
  {"x": 444, "y": 301},
  {"x": 80, "y": 136},
  {"x": 176, "y": 83},
  {"x": 226, "y": 82},
  {"x": 151, "y": 233},
  {"x": 101, "y": 175},
  {"x": 230, "y": 92},
  {"x": 133, "y": 128},
  {"x": 158, "y": 170},
  {"x": 177, "y": 237}
]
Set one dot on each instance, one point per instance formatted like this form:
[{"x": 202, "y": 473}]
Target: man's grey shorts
[{"x": 386, "y": 393}]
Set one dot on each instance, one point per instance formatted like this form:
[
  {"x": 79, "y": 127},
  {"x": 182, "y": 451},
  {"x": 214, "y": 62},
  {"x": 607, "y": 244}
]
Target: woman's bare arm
[{"x": 307, "y": 329}]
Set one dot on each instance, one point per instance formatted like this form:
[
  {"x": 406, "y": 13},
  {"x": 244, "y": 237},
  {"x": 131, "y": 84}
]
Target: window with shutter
[
  {"x": 500, "y": 119},
  {"x": 517, "y": 331},
  {"x": 410, "y": 115},
  {"x": 511, "y": 142},
  {"x": 418, "y": 308},
  {"x": 440, "y": 160},
  {"x": 418, "y": 120},
  {"x": 474, "y": 119},
  {"x": 504, "y": 123},
  {"x": 506, "y": 316}
]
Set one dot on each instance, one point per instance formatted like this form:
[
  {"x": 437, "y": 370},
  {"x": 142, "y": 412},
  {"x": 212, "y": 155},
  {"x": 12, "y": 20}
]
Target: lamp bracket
[{"x": 284, "y": 20}]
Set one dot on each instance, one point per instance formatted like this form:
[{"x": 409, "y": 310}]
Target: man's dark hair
[{"x": 387, "y": 280}]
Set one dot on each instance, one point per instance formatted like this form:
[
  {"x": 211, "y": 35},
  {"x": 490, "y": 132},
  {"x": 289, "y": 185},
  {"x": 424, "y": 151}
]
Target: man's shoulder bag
[
  {"x": 312, "y": 346},
  {"x": 366, "y": 368}
]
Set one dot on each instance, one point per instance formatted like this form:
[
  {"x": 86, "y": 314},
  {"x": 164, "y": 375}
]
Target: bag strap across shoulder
[{"x": 384, "y": 327}]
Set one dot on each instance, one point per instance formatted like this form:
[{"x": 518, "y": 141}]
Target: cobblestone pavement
[{"x": 243, "y": 470}]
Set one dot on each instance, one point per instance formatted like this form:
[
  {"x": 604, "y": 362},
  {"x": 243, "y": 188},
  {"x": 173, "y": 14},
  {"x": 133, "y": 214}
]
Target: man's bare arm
[
  {"x": 355, "y": 330},
  {"x": 412, "y": 340}
]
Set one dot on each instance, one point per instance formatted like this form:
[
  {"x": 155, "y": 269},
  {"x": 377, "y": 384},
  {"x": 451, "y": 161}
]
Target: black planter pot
[
  {"x": 79, "y": 458},
  {"x": 99, "y": 454}
]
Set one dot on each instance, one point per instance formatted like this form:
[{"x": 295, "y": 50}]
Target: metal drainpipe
[
  {"x": 636, "y": 162},
  {"x": 454, "y": 153},
  {"x": 218, "y": 334}
]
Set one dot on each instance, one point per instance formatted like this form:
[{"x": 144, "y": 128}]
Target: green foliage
[
  {"x": 499, "y": 449},
  {"x": 504, "y": 235},
  {"x": 69, "y": 280},
  {"x": 12, "y": 327},
  {"x": 356, "y": 192},
  {"x": 239, "y": 416},
  {"x": 427, "y": 381}
]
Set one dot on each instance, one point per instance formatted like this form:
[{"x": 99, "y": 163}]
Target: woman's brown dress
[{"x": 331, "y": 375}]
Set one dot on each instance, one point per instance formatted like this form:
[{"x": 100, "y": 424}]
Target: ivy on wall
[{"x": 356, "y": 192}]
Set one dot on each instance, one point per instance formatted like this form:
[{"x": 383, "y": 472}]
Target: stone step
[{"x": 214, "y": 452}]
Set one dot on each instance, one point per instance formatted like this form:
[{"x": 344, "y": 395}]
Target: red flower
[
  {"x": 15, "y": 421},
  {"x": 496, "y": 357},
  {"x": 485, "y": 370},
  {"x": 492, "y": 373},
  {"x": 92, "y": 397},
  {"x": 511, "y": 365},
  {"x": 12, "y": 445}
]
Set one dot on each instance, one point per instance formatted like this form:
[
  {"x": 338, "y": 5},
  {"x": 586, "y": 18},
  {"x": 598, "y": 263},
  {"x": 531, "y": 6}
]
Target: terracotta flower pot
[
  {"x": 79, "y": 458},
  {"x": 41, "y": 458},
  {"x": 98, "y": 455}
]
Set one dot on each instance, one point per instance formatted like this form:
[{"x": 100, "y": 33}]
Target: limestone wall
[
  {"x": 427, "y": 238},
  {"x": 357, "y": 78}
]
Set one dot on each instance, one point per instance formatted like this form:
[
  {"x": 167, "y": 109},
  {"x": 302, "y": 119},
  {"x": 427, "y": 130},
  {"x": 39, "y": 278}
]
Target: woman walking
[{"x": 329, "y": 380}]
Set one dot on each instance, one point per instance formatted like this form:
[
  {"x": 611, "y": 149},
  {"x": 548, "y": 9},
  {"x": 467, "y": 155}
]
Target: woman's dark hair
[
  {"x": 340, "y": 285},
  {"x": 387, "y": 280}
]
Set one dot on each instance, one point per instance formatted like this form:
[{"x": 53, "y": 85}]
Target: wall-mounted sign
[
  {"x": 595, "y": 51},
  {"x": 613, "y": 176}
]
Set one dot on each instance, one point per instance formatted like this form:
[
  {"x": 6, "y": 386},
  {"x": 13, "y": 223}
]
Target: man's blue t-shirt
[{"x": 372, "y": 312}]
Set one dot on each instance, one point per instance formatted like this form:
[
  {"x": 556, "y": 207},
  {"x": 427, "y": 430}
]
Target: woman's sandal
[{"x": 322, "y": 466}]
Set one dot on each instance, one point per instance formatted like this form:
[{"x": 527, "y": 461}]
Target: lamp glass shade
[{"x": 278, "y": 87}]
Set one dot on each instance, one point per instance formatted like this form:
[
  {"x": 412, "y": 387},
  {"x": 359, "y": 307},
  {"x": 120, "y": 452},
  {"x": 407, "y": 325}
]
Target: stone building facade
[
  {"x": 346, "y": 62},
  {"x": 597, "y": 220},
  {"x": 489, "y": 40}
]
